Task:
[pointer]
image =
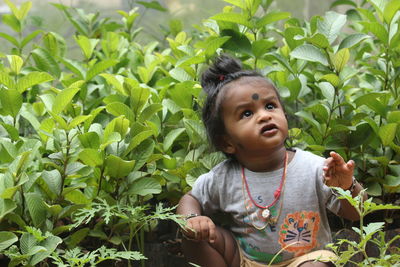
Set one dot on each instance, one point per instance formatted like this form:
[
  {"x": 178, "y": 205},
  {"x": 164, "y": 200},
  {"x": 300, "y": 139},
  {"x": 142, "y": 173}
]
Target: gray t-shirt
[{"x": 300, "y": 212}]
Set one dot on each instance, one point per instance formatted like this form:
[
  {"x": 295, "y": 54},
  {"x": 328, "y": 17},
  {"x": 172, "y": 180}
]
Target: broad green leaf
[
  {"x": 74, "y": 239},
  {"x": 11, "y": 130},
  {"x": 332, "y": 78},
  {"x": 371, "y": 100},
  {"x": 142, "y": 153},
  {"x": 136, "y": 140},
  {"x": 7, "y": 239},
  {"x": 394, "y": 117},
  {"x": 91, "y": 157},
  {"x": 171, "y": 137},
  {"x": 23, "y": 10},
  {"x": 379, "y": 6},
  {"x": 87, "y": 45},
  {"x": 318, "y": 40},
  {"x": 46, "y": 128},
  {"x": 16, "y": 63},
  {"x": 118, "y": 109},
  {"x": 75, "y": 67},
  {"x": 29, "y": 38},
  {"x": 340, "y": 59},
  {"x": 153, "y": 5},
  {"x": 308, "y": 117},
  {"x": 149, "y": 111},
  {"x": 6, "y": 206},
  {"x": 11, "y": 101},
  {"x": 6, "y": 80},
  {"x": 113, "y": 80},
  {"x": 139, "y": 97},
  {"x": 31, "y": 79},
  {"x": 77, "y": 197},
  {"x": 352, "y": 40},
  {"x": 50, "y": 244},
  {"x": 45, "y": 62},
  {"x": 63, "y": 99},
  {"x": 195, "y": 130},
  {"x": 55, "y": 44},
  {"x": 36, "y": 207},
  {"x": 117, "y": 167},
  {"x": 238, "y": 42},
  {"x": 119, "y": 125},
  {"x": 13, "y": 22},
  {"x": 343, "y": 2},
  {"x": 331, "y": 25},
  {"x": 309, "y": 53},
  {"x": 214, "y": 44},
  {"x": 53, "y": 180},
  {"x": 234, "y": 18},
  {"x": 180, "y": 75},
  {"x": 377, "y": 29},
  {"x": 28, "y": 242},
  {"x": 100, "y": 67},
  {"x": 90, "y": 140},
  {"x": 271, "y": 17},
  {"x": 77, "y": 120},
  {"x": 387, "y": 133},
  {"x": 390, "y": 10},
  {"x": 9, "y": 38},
  {"x": 145, "y": 186},
  {"x": 372, "y": 228},
  {"x": 261, "y": 47}
]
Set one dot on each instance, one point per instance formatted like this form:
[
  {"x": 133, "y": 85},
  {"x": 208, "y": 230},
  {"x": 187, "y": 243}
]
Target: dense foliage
[{"x": 86, "y": 145}]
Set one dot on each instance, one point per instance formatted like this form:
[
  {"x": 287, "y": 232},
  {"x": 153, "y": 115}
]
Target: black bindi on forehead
[{"x": 255, "y": 96}]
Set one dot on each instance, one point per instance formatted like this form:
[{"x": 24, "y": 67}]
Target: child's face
[{"x": 254, "y": 118}]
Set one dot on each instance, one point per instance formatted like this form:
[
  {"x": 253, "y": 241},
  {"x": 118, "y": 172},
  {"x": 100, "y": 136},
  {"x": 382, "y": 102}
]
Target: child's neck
[{"x": 265, "y": 163}]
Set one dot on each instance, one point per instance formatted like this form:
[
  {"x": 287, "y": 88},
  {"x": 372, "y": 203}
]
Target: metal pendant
[{"x": 265, "y": 213}]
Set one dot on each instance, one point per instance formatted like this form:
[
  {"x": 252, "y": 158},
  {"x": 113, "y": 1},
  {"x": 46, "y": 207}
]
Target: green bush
[{"x": 86, "y": 145}]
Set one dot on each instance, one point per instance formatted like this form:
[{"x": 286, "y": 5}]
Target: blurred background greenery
[{"x": 190, "y": 12}]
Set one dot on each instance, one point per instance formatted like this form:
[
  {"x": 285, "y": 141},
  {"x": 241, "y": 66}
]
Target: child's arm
[
  {"x": 198, "y": 227},
  {"x": 338, "y": 173}
]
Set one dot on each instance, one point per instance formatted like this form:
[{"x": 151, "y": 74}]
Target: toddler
[{"x": 276, "y": 197}]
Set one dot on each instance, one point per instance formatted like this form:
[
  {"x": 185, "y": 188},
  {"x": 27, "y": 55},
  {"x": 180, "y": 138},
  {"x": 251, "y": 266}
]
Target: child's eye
[
  {"x": 246, "y": 114},
  {"x": 269, "y": 106}
]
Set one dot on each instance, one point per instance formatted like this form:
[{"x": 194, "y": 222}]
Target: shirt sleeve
[
  {"x": 205, "y": 191},
  {"x": 332, "y": 203}
]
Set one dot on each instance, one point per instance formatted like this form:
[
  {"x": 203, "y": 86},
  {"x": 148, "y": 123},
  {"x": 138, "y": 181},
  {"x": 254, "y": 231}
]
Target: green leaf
[
  {"x": 180, "y": 75},
  {"x": 100, "y": 67},
  {"x": 45, "y": 62},
  {"x": 77, "y": 197},
  {"x": 53, "y": 180},
  {"x": 261, "y": 47},
  {"x": 308, "y": 117},
  {"x": 136, "y": 140},
  {"x": 234, "y": 18},
  {"x": 13, "y": 22},
  {"x": 394, "y": 117},
  {"x": 16, "y": 63},
  {"x": 118, "y": 125},
  {"x": 9, "y": 38},
  {"x": 153, "y": 5},
  {"x": 237, "y": 43},
  {"x": 117, "y": 167},
  {"x": 213, "y": 44},
  {"x": 390, "y": 10},
  {"x": 372, "y": 228},
  {"x": 112, "y": 80},
  {"x": 374, "y": 189},
  {"x": 139, "y": 97},
  {"x": 37, "y": 208},
  {"x": 63, "y": 99},
  {"x": 90, "y": 140},
  {"x": 371, "y": 100},
  {"x": 118, "y": 109},
  {"x": 11, "y": 101},
  {"x": 11, "y": 130},
  {"x": 149, "y": 111},
  {"x": 387, "y": 133},
  {"x": 377, "y": 29},
  {"x": 271, "y": 17},
  {"x": 6, "y": 80},
  {"x": 6, "y": 206},
  {"x": 309, "y": 53},
  {"x": 23, "y": 10},
  {"x": 77, "y": 120},
  {"x": 32, "y": 79},
  {"x": 171, "y": 137},
  {"x": 91, "y": 157},
  {"x": 318, "y": 40},
  {"x": 352, "y": 40},
  {"x": 50, "y": 244},
  {"x": 7, "y": 239},
  {"x": 87, "y": 45},
  {"x": 75, "y": 67},
  {"x": 143, "y": 152},
  {"x": 29, "y": 38},
  {"x": 331, "y": 25},
  {"x": 145, "y": 186},
  {"x": 340, "y": 59},
  {"x": 343, "y": 2}
]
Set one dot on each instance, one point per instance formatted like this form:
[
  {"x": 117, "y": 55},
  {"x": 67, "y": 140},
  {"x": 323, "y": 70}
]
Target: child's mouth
[{"x": 269, "y": 129}]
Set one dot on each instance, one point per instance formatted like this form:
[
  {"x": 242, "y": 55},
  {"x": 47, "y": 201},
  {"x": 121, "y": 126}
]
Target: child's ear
[{"x": 226, "y": 145}]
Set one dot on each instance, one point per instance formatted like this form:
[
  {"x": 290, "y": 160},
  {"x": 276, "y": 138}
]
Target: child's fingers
[{"x": 212, "y": 234}]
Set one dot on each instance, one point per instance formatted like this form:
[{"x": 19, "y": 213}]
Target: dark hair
[{"x": 224, "y": 70}]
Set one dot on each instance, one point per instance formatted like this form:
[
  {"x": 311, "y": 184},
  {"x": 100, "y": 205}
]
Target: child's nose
[{"x": 264, "y": 115}]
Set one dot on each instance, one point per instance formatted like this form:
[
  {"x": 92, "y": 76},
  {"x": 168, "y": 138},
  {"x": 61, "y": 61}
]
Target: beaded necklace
[{"x": 266, "y": 212}]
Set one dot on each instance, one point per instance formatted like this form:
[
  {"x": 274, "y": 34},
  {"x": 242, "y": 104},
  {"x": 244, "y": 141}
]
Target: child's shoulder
[{"x": 305, "y": 157}]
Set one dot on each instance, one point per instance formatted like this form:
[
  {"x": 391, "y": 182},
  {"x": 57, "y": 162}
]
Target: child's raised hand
[
  {"x": 200, "y": 228},
  {"x": 337, "y": 172}
]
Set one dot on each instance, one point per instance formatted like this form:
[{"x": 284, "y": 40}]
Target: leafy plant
[{"x": 369, "y": 233}]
